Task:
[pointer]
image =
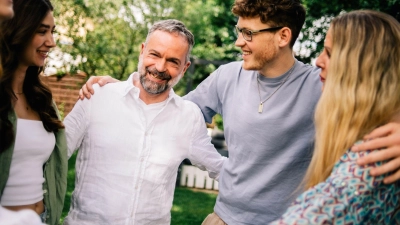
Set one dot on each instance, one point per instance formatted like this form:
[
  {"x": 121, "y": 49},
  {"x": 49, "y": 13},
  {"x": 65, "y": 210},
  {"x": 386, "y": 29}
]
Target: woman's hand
[{"x": 386, "y": 138}]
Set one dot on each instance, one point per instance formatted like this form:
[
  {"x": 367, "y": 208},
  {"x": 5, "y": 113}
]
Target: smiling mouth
[
  {"x": 246, "y": 53},
  {"x": 164, "y": 76},
  {"x": 156, "y": 76},
  {"x": 43, "y": 53}
]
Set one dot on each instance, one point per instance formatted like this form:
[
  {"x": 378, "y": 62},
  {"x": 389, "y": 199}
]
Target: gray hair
[{"x": 174, "y": 26}]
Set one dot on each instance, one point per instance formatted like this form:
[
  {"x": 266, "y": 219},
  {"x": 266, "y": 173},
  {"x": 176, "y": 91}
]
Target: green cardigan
[{"x": 55, "y": 173}]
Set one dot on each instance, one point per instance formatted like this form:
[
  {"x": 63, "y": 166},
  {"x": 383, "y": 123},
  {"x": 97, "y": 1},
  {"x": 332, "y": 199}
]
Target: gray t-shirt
[{"x": 269, "y": 152}]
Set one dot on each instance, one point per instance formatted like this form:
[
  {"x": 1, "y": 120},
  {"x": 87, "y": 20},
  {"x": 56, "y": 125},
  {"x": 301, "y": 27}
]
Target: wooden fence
[{"x": 192, "y": 176}]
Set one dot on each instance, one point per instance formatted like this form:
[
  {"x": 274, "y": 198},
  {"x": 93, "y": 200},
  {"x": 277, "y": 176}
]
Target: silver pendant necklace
[{"x": 261, "y": 106}]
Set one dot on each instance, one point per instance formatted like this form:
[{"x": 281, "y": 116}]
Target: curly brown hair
[
  {"x": 286, "y": 13},
  {"x": 15, "y": 34}
]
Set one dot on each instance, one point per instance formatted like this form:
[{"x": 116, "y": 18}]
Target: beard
[
  {"x": 152, "y": 87},
  {"x": 262, "y": 57}
]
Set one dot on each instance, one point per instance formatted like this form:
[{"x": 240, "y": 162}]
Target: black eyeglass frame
[{"x": 252, "y": 32}]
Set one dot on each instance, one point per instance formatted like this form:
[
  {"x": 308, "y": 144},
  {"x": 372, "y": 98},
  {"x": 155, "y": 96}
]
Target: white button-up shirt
[{"x": 126, "y": 170}]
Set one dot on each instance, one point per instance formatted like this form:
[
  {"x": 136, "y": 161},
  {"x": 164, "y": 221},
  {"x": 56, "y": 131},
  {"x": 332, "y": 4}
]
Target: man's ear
[
  {"x": 186, "y": 67},
  {"x": 285, "y": 36},
  {"x": 142, "y": 48}
]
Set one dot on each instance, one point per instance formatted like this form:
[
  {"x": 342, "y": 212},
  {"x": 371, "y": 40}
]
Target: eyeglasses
[{"x": 248, "y": 34}]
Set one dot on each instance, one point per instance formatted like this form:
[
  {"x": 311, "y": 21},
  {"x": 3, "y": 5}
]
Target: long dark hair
[{"x": 15, "y": 35}]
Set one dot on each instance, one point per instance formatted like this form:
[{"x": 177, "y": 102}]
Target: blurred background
[{"x": 103, "y": 37}]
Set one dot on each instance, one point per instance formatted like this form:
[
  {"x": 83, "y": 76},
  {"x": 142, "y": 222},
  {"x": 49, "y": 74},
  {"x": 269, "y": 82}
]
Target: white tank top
[{"x": 33, "y": 146}]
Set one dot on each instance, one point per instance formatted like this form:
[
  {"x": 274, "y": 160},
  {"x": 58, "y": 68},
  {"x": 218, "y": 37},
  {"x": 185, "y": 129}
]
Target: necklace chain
[{"x": 260, "y": 107}]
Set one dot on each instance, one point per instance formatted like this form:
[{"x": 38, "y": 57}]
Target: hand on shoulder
[{"x": 87, "y": 89}]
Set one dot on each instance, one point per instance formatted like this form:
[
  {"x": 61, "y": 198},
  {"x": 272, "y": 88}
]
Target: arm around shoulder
[
  {"x": 202, "y": 152},
  {"x": 87, "y": 89},
  {"x": 207, "y": 94},
  {"x": 349, "y": 195}
]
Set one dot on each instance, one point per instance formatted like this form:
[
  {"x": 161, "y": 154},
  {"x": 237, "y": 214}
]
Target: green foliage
[
  {"x": 212, "y": 24},
  {"x": 98, "y": 36},
  {"x": 70, "y": 186},
  {"x": 61, "y": 110},
  {"x": 219, "y": 122},
  {"x": 104, "y": 37},
  {"x": 320, "y": 13}
]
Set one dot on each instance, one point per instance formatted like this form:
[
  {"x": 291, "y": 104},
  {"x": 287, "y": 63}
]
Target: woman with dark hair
[
  {"x": 26, "y": 216},
  {"x": 6, "y": 12},
  {"x": 33, "y": 150}
]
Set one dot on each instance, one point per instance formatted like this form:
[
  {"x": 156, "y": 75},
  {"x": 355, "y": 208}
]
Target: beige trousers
[{"x": 213, "y": 219}]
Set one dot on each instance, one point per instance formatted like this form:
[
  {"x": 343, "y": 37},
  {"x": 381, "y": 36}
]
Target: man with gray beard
[{"x": 133, "y": 135}]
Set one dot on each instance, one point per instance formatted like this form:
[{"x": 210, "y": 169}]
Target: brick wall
[{"x": 65, "y": 90}]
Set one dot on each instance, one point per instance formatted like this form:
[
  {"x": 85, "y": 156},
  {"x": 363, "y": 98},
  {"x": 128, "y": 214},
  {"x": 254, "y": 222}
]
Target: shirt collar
[{"x": 131, "y": 88}]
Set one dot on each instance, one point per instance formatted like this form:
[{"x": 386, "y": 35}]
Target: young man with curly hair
[{"x": 267, "y": 103}]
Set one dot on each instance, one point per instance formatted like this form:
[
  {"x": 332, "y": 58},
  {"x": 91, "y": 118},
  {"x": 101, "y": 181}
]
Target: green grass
[
  {"x": 189, "y": 207},
  {"x": 70, "y": 186}
]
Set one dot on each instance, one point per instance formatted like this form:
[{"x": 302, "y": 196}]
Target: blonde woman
[{"x": 360, "y": 63}]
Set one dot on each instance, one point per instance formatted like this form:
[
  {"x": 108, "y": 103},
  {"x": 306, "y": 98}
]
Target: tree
[
  {"x": 212, "y": 24},
  {"x": 104, "y": 37},
  {"x": 97, "y": 36},
  {"x": 320, "y": 13}
]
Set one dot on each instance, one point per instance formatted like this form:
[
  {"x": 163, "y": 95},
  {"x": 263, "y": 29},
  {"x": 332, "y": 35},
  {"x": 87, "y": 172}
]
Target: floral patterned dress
[{"x": 350, "y": 195}]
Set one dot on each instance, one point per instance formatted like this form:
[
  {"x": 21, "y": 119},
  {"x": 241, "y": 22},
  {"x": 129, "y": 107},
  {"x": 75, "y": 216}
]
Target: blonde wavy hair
[{"x": 362, "y": 89}]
